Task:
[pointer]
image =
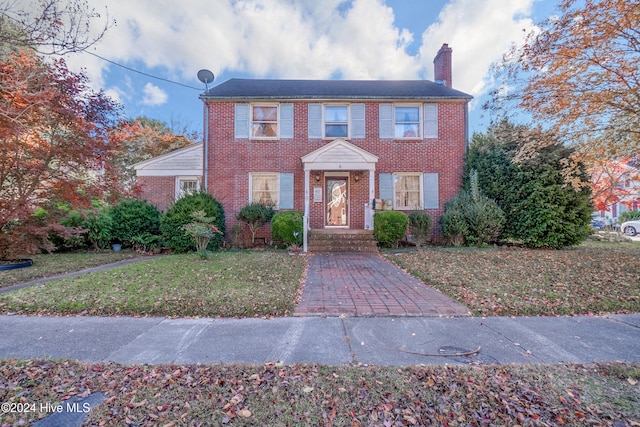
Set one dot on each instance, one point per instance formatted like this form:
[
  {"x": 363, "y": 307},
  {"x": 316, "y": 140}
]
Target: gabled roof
[
  {"x": 339, "y": 154},
  {"x": 184, "y": 161},
  {"x": 332, "y": 89}
]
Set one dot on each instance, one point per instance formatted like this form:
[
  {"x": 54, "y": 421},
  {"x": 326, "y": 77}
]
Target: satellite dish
[{"x": 206, "y": 77}]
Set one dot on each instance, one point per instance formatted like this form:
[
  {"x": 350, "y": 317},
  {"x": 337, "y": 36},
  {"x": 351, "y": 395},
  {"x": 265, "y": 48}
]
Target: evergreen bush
[
  {"x": 181, "y": 213},
  {"x": 419, "y": 227},
  {"x": 472, "y": 217},
  {"x": 286, "y": 227},
  {"x": 133, "y": 220},
  {"x": 389, "y": 227}
]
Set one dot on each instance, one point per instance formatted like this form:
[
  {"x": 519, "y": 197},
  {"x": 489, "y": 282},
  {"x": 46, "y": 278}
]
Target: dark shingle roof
[{"x": 331, "y": 89}]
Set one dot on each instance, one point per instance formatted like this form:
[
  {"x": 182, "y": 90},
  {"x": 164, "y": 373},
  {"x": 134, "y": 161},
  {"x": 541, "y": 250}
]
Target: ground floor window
[
  {"x": 187, "y": 185},
  {"x": 264, "y": 188},
  {"x": 407, "y": 191}
]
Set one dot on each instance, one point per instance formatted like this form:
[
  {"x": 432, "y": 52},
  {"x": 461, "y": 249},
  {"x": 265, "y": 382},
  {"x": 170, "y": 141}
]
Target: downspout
[
  {"x": 466, "y": 127},
  {"x": 205, "y": 160}
]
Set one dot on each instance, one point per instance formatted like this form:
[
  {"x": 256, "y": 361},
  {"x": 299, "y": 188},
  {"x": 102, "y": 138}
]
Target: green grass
[
  {"x": 47, "y": 265},
  {"x": 227, "y": 284},
  {"x": 314, "y": 395},
  {"x": 590, "y": 279}
]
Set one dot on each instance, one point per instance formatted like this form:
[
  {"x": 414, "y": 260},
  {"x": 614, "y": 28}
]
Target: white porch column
[
  {"x": 305, "y": 218},
  {"x": 372, "y": 184}
]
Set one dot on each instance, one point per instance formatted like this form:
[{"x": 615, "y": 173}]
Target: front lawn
[
  {"x": 590, "y": 279},
  {"x": 314, "y": 395},
  {"x": 47, "y": 265},
  {"x": 227, "y": 284}
]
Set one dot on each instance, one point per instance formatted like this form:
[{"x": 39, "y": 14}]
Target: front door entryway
[{"x": 336, "y": 202}]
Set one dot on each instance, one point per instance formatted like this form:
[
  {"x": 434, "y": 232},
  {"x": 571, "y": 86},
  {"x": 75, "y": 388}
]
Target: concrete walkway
[
  {"x": 356, "y": 284},
  {"x": 325, "y": 340}
]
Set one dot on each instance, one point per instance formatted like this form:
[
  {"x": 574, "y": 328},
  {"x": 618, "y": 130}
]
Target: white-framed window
[
  {"x": 264, "y": 188},
  {"x": 271, "y": 188},
  {"x": 407, "y": 191},
  {"x": 332, "y": 121},
  {"x": 336, "y": 121},
  {"x": 409, "y": 121},
  {"x": 406, "y": 120},
  {"x": 187, "y": 185},
  {"x": 264, "y": 121}
]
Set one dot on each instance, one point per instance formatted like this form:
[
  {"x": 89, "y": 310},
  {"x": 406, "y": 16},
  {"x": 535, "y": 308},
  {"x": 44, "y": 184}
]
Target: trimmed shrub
[
  {"x": 134, "y": 220},
  {"x": 100, "y": 226},
  {"x": 286, "y": 227},
  {"x": 255, "y": 215},
  {"x": 472, "y": 217},
  {"x": 181, "y": 213},
  {"x": 453, "y": 222},
  {"x": 419, "y": 227},
  {"x": 389, "y": 227}
]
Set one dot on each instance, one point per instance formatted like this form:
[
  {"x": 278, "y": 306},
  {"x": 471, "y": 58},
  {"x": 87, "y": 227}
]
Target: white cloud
[
  {"x": 153, "y": 95},
  {"x": 479, "y": 32},
  {"x": 351, "y": 39}
]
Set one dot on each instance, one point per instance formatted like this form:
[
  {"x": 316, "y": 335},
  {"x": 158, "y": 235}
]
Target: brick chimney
[{"x": 442, "y": 66}]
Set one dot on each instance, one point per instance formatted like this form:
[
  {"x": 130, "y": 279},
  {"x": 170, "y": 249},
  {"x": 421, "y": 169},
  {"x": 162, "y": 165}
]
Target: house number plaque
[{"x": 317, "y": 194}]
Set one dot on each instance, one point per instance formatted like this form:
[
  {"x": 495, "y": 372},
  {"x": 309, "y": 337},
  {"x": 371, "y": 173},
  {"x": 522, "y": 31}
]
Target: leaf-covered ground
[
  {"x": 227, "y": 284},
  {"x": 310, "y": 395},
  {"x": 589, "y": 279}
]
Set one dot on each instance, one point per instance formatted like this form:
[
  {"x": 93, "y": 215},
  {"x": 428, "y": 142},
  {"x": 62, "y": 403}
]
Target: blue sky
[{"x": 305, "y": 39}]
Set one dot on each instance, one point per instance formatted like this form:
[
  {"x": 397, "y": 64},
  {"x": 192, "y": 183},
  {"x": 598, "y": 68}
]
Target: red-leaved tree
[{"x": 55, "y": 138}]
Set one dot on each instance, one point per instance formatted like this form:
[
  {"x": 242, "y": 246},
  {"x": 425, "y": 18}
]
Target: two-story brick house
[{"x": 328, "y": 148}]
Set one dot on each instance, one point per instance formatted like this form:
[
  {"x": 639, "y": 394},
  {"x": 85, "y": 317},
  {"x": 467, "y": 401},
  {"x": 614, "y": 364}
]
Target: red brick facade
[
  {"x": 158, "y": 190},
  {"x": 431, "y": 117},
  {"x": 231, "y": 160}
]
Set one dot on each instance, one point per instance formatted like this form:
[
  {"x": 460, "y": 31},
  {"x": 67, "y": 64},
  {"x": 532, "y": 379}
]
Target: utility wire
[{"x": 143, "y": 73}]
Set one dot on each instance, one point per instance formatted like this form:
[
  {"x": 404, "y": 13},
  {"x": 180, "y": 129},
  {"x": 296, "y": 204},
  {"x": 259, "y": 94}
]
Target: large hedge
[
  {"x": 180, "y": 214},
  {"x": 524, "y": 171},
  {"x": 134, "y": 221}
]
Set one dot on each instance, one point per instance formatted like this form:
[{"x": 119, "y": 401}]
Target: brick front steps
[{"x": 341, "y": 240}]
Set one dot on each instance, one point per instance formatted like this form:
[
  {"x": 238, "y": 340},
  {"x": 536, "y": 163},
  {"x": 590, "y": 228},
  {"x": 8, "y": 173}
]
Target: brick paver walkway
[{"x": 368, "y": 285}]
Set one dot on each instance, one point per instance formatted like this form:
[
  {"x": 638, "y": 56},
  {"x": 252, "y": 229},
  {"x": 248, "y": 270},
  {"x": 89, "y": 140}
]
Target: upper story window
[
  {"x": 264, "y": 121},
  {"x": 409, "y": 121},
  {"x": 336, "y": 121}
]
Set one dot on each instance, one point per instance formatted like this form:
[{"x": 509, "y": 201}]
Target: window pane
[
  {"x": 264, "y": 189},
  {"x": 407, "y": 191},
  {"x": 336, "y": 131},
  {"x": 265, "y": 114},
  {"x": 264, "y": 129},
  {"x": 407, "y": 130},
  {"x": 407, "y": 114},
  {"x": 336, "y": 114}
]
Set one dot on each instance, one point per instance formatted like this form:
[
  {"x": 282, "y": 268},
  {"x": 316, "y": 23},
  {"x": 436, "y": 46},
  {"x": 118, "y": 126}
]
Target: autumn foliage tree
[
  {"x": 578, "y": 74},
  {"x": 144, "y": 138},
  {"x": 55, "y": 139}
]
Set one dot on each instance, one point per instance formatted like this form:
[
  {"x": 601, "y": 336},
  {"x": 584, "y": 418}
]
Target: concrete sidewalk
[{"x": 326, "y": 340}]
